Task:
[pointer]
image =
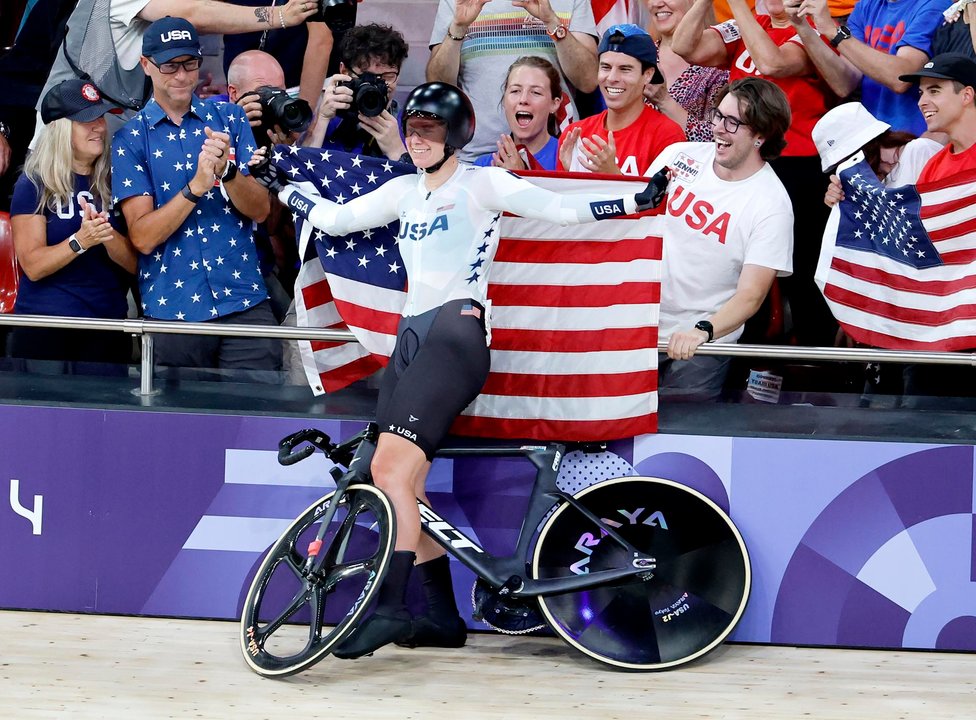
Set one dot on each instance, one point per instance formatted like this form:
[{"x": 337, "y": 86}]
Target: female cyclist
[{"x": 449, "y": 216}]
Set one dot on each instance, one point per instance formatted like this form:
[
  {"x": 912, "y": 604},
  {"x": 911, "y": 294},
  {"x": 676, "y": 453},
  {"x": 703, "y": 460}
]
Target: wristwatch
[
  {"x": 557, "y": 33},
  {"x": 188, "y": 194},
  {"x": 76, "y": 246},
  {"x": 230, "y": 172},
  {"x": 843, "y": 33},
  {"x": 4, "y": 129},
  {"x": 705, "y": 327}
]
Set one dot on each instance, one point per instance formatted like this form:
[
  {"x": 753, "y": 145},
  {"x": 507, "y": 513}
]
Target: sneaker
[
  {"x": 426, "y": 632},
  {"x": 373, "y": 633}
]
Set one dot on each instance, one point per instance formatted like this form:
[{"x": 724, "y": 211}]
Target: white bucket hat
[{"x": 843, "y": 131}]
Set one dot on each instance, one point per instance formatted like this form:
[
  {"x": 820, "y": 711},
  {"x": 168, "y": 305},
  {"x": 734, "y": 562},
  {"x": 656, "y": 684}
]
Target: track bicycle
[{"x": 638, "y": 573}]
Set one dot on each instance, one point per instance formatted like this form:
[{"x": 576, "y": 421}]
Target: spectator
[
  {"x": 530, "y": 98},
  {"x": 896, "y": 157},
  {"x": 189, "y": 209},
  {"x": 74, "y": 263},
  {"x": 24, "y": 69},
  {"x": 303, "y": 52},
  {"x": 274, "y": 238},
  {"x": 728, "y": 233},
  {"x": 948, "y": 103},
  {"x": 628, "y": 135},
  {"x": 688, "y": 93},
  {"x": 768, "y": 46},
  {"x": 947, "y": 86},
  {"x": 376, "y": 49},
  {"x": 474, "y": 41},
  {"x": 103, "y": 39},
  {"x": 958, "y": 33},
  {"x": 880, "y": 42}
]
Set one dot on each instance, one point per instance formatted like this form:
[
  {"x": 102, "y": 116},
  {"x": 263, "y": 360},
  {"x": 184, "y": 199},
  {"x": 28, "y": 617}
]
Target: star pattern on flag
[
  {"x": 884, "y": 220},
  {"x": 370, "y": 256}
]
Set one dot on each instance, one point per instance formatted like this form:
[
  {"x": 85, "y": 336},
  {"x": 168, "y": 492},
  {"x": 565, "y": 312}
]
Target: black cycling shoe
[
  {"x": 426, "y": 632},
  {"x": 373, "y": 633}
]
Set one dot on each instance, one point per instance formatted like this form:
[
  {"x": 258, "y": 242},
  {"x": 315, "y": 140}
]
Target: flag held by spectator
[
  {"x": 898, "y": 265},
  {"x": 573, "y": 309}
]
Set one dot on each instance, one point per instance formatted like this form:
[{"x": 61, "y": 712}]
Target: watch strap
[
  {"x": 843, "y": 33},
  {"x": 76, "y": 246},
  {"x": 230, "y": 172},
  {"x": 706, "y": 327},
  {"x": 188, "y": 194},
  {"x": 558, "y": 32}
]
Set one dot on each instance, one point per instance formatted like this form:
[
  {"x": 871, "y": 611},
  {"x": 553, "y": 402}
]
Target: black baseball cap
[
  {"x": 74, "y": 99},
  {"x": 170, "y": 37},
  {"x": 947, "y": 66}
]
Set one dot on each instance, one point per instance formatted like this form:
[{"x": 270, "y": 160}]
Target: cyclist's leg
[{"x": 435, "y": 382}]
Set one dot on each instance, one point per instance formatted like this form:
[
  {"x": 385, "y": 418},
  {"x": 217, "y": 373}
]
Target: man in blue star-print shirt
[{"x": 179, "y": 175}]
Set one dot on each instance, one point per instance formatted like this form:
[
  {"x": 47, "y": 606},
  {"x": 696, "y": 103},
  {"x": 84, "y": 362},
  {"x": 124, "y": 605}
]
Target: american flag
[
  {"x": 608, "y": 13},
  {"x": 573, "y": 317},
  {"x": 901, "y": 273}
]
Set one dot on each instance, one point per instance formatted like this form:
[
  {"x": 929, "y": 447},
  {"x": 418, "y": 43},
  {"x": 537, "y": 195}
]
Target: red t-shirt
[
  {"x": 809, "y": 95},
  {"x": 637, "y": 144},
  {"x": 946, "y": 163}
]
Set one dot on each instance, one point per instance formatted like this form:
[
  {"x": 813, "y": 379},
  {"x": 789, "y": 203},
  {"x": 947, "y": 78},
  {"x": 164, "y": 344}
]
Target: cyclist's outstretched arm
[
  {"x": 373, "y": 209},
  {"x": 506, "y": 191}
]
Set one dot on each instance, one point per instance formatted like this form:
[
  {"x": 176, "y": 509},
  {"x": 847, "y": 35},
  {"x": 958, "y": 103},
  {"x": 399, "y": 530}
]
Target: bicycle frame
[{"x": 507, "y": 573}]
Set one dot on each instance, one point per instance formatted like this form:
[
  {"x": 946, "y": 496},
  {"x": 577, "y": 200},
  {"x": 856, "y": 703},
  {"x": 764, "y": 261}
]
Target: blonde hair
[{"x": 48, "y": 167}]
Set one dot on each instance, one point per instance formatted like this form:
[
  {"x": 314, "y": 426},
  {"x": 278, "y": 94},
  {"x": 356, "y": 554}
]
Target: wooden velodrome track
[{"x": 88, "y": 666}]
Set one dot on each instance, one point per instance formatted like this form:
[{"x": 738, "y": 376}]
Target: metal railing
[{"x": 145, "y": 329}]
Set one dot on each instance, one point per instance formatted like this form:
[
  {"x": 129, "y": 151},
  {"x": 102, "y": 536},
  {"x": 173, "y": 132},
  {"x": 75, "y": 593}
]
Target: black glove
[
  {"x": 269, "y": 175},
  {"x": 654, "y": 193}
]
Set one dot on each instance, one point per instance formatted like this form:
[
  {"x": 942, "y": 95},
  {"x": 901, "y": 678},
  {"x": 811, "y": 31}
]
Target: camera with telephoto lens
[
  {"x": 281, "y": 109},
  {"x": 339, "y": 15},
  {"x": 369, "y": 95}
]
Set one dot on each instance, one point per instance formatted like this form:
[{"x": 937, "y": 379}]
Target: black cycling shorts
[{"x": 439, "y": 365}]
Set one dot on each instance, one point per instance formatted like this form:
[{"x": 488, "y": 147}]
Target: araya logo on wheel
[{"x": 588, "y": 541}]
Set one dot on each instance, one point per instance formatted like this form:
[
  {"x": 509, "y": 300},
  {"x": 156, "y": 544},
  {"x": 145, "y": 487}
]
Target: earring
[{"x": 758, "y": 143}]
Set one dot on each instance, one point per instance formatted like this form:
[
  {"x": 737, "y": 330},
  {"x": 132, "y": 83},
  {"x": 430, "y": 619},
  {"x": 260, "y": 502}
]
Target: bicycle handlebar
[{"x": 287, "y": 455}]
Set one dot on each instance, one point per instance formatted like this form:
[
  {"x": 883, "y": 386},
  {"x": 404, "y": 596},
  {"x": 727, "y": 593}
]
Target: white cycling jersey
[{"x": 448, "y": 236}]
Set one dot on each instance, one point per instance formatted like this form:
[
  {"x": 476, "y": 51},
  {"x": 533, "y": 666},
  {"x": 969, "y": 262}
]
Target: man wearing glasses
[
  {"x": 372, "y": 53},
  {"x": 179, "y": 174},
  {"x": 728, "y": 233}
]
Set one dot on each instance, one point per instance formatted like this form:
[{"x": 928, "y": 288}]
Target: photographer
[
  {"x": 255, "y": 81},
  {"x": 357, "y": 112}
]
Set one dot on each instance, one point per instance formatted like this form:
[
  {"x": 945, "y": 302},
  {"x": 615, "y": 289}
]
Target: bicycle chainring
[{"x": 505, "y": 614}]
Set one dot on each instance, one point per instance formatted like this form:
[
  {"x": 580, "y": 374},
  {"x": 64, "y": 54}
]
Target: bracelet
[
  {"x": 281, "y": 19},
  {"x": 188, "y": 194},
  {"x": 455, "y": 38}
]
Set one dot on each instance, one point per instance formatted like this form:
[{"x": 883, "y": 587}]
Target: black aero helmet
[{"x": 444, "y": 102}]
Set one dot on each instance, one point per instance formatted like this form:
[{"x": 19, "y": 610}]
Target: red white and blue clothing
[
  {"x": 209, "y": 267},
  {"x": 92, "y": 285},
  {"x": 888, "y": 25}
]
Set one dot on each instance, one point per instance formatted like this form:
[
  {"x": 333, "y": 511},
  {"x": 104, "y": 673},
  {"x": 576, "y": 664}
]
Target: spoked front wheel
[
  {"x": 679, "y": 611},
  {"x": 293, "y": 615}
]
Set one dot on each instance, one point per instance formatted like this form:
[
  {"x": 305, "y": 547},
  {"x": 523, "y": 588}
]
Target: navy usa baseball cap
[
  {"x": 947, "y": 66},
  {"x": 169, "y": 38},
  {"x": 629, "y": 39},
  {"x": 76, "y": 100}
]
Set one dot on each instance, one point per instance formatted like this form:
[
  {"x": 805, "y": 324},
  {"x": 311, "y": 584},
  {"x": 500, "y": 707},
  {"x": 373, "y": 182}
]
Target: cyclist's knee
[{"x": 396, "y": 464}]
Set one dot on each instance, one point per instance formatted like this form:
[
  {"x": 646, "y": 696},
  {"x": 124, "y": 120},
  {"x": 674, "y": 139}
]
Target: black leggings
[{"x": 439, "y": 365}]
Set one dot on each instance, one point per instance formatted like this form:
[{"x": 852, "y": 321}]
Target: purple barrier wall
[{"x": 853, "y": 543}]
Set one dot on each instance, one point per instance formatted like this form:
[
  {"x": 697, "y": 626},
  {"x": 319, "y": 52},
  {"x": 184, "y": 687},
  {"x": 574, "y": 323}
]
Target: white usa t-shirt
[{"x": 714, "y": 227}]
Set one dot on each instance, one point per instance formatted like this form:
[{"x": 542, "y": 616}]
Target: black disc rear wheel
[
  {"x": 293, "y": 615},
  {"x": 686, "y": 607}
]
